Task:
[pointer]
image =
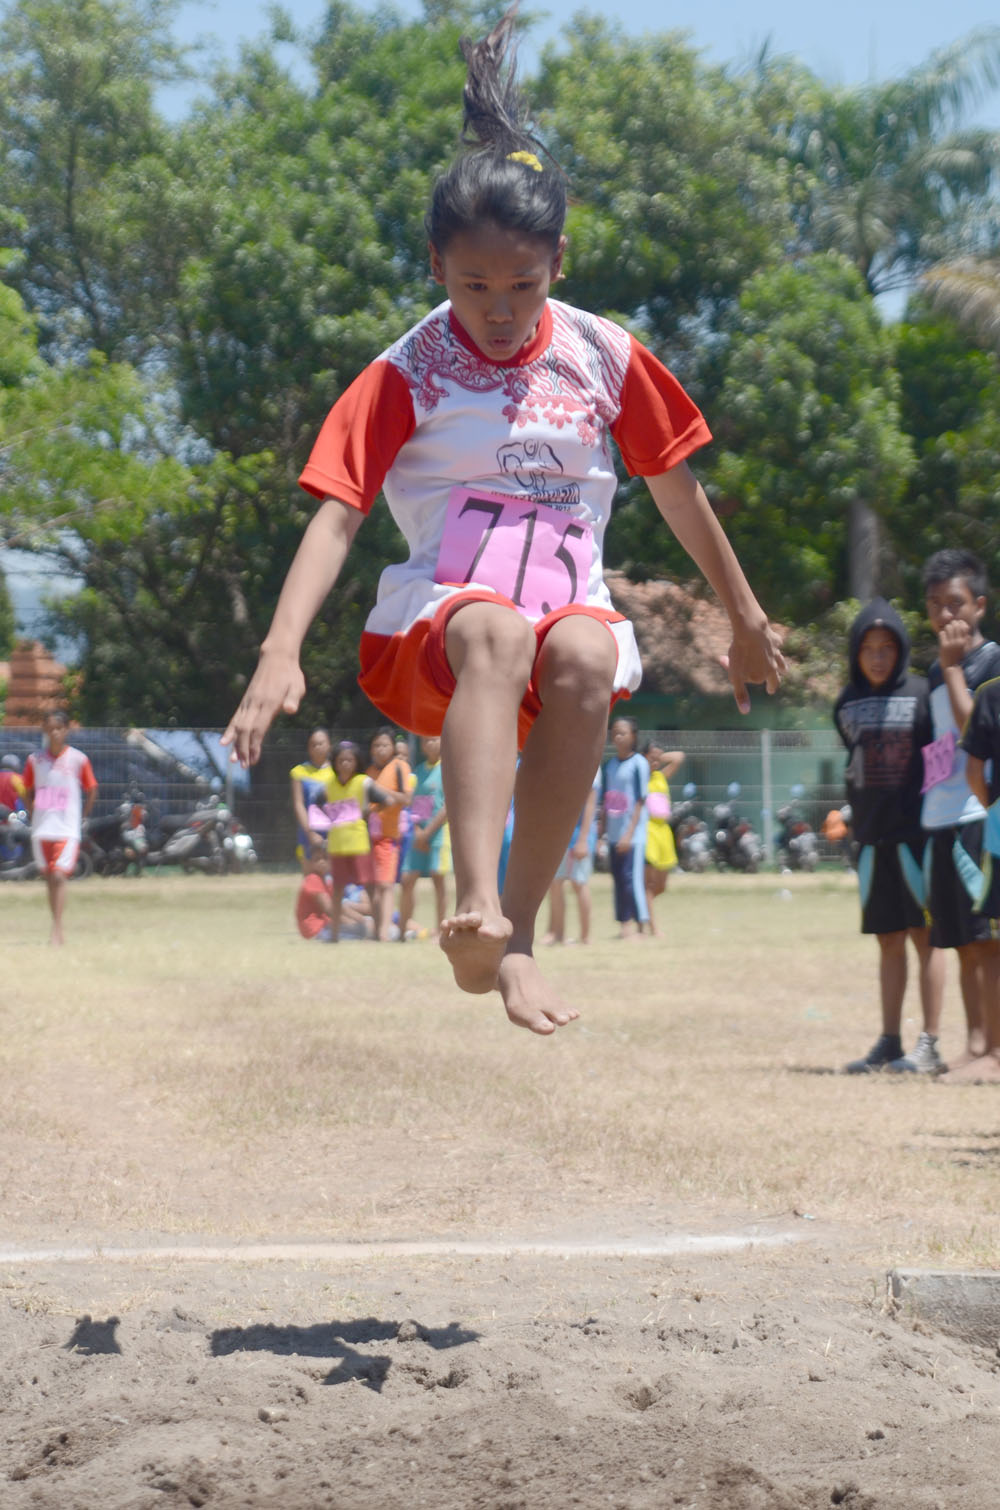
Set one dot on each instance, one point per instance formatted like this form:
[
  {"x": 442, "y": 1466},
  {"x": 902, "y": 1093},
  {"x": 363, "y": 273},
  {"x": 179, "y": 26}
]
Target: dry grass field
[{"x": 188, "y": 1071}]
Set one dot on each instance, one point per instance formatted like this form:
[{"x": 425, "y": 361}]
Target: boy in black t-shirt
[
  {"x": 883, "y": 718},
  {"x": 955, "y": 585}
]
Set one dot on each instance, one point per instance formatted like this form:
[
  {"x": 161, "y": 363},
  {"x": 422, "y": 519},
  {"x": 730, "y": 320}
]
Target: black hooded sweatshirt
[{"x": 884, "y": 730}]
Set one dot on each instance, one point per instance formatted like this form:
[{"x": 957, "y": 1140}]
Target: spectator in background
[
  {"x": 393, "y": 773},
  {"x": 348, "y": 795},
  {"x": 309, "y": 780},
  {"x": 60, "y": 790},
  {"x": 429, "y": 852},
  {"x": 623, "y": 823},
  {"x": 661, "y": 851},
  {"x": 576, "y": 868},
  {"x": 883, "y": 718},
  {"x": 314, "y": 903},
  {"x": 955, "y": 585},
  {"x": 11, "y": 784}
]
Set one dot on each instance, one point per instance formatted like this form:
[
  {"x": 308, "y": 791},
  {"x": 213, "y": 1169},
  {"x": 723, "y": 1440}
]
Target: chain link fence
[{"x": 172, "y": 769}]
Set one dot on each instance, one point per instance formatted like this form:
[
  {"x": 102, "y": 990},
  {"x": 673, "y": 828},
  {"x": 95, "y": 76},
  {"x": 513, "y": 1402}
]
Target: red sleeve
[
  {"x": 658, "y": 426},
  {"x": 88, "y": 780},
  {"x": 361, "y": 437},
  {"x": 28, "y": 777}
]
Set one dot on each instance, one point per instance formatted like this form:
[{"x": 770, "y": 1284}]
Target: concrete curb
[{"x": 963, "y": 1303}]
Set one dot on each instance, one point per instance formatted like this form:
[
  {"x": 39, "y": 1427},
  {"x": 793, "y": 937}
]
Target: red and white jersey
[
  {"x": 57, "y": 787},
  {"x": 442, "y": 430}
]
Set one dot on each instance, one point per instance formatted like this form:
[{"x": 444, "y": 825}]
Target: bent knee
[
  {"x": 485, "y": 639},
  {"x": 579, "y": 666}
]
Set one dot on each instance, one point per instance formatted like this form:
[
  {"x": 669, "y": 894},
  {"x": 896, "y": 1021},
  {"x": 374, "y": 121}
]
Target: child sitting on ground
[{"x": 314, "y": 903}]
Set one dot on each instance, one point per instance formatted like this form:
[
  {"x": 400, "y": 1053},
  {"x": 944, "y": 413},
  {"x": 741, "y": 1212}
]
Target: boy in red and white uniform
[{"x": 60, "y": 789}]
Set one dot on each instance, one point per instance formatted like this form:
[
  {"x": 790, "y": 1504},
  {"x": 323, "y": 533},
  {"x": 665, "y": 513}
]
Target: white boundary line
[{"x": 672, "y": 1247}]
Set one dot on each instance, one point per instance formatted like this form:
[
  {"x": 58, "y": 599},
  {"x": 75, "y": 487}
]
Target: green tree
[
  {"x": 950, "y": 400},
  {"x": 675, "y": 205},
  {"x": 810, "y": 425},
  {"x": 969, "y": 289},
  {"x": 80, "y": 137},
  {"x": 896, "y": 181}
]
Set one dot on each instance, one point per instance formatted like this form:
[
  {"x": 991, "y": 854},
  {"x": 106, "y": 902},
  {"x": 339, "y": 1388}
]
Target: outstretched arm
[
  {"x": 755, "y": 652},
  {"x": 277, "y": 685}
]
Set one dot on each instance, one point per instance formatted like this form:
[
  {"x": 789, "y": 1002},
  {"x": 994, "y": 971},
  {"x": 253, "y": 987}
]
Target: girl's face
[
  {"x": 382, "y": 750},
  {"x": 431, "y": 747},
  {"x": 345, "y": 763},
  {"x": 623, "y": 738},
  {"x": 655, "y": 757},
  {"x": 319, "y": 747},
  {"x": 498, "y": 281}
]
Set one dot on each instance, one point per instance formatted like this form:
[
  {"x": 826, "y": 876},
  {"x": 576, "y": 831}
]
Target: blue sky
[{"x": 849, "y": 43}]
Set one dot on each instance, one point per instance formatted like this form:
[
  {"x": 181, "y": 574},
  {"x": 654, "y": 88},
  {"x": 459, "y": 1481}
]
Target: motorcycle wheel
[{"x": 83, "y": 868}]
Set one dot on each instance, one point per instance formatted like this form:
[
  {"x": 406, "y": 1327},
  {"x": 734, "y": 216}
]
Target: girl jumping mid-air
[{"x": 488, "y": 428}]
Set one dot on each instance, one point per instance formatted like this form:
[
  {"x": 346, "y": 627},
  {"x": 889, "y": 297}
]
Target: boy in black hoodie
[{"x": 883, "y": 718}]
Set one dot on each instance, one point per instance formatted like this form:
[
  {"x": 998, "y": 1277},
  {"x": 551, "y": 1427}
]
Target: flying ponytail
[{"x": 501, "y": 179}]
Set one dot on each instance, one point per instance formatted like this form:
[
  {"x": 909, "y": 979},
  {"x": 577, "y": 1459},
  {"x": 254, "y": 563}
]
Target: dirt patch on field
[{"x": 758, "y": 1381}]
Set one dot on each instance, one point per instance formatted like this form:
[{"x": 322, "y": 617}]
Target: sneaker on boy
[
  {"x": 922, "y": 1060},
  {"x": 883, "y": 718},
  {"x": 884, "y": 1051}
]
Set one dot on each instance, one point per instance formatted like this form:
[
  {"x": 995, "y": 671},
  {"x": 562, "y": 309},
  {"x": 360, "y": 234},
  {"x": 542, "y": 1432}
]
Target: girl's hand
[
  {"x": 754, "y": 656},
  {"x": 277, "y": 686},
  {"x": 580, "y": 850},
  {"x": 420, "y": 840},
  {"x": 623, "y": 846}
]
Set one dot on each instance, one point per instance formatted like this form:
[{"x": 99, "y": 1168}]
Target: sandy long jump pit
[{"x": 749, "y": 1369}]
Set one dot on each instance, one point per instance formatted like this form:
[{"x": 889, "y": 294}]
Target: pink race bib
[
  {"x": 939, "y": 760},
  {"x": 616, "y": 802},
  {"x": 658, "y": 805},
  {"x": 535, "y": 555},
  {"x": 422, "y": 808},
  {"x": 52, "y": 799}
]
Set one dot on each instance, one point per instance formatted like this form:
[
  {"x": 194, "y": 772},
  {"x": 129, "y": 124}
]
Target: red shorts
[
  {"x": 385, "y": 861},
  {"x": 352, "y": 870},
  {"x": 408, "y": 678},
  {"x": 56, "y": 855}
]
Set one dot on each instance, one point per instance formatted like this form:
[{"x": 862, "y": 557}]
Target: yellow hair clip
[{"x": 528, "y": 158}]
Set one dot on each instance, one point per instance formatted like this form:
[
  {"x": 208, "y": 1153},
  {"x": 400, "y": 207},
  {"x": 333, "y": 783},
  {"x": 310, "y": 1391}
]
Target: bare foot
[
  {"x": 968, "y": 1056},
  {"x": 530, "y": 1000},
  {"x": 981, "y": 1070},
  {"x": 475, "y": 941}
]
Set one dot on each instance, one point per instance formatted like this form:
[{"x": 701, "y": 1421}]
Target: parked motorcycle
[
  {"x": 238, "y": 846},
  {"x": 798, "y": 847},
  {"x": 691, "y": 837},
  {"x": 209, "y": 840},
  {"x": 16, "y": 859},
  {"x": 118, "y": 841},
  {"x": 736, "y": 846}
]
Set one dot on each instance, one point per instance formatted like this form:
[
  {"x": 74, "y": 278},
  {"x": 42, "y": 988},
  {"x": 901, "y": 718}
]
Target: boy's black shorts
[
  {"x": 958, "y": 891},
  {"x": 891, "y": 881}
]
